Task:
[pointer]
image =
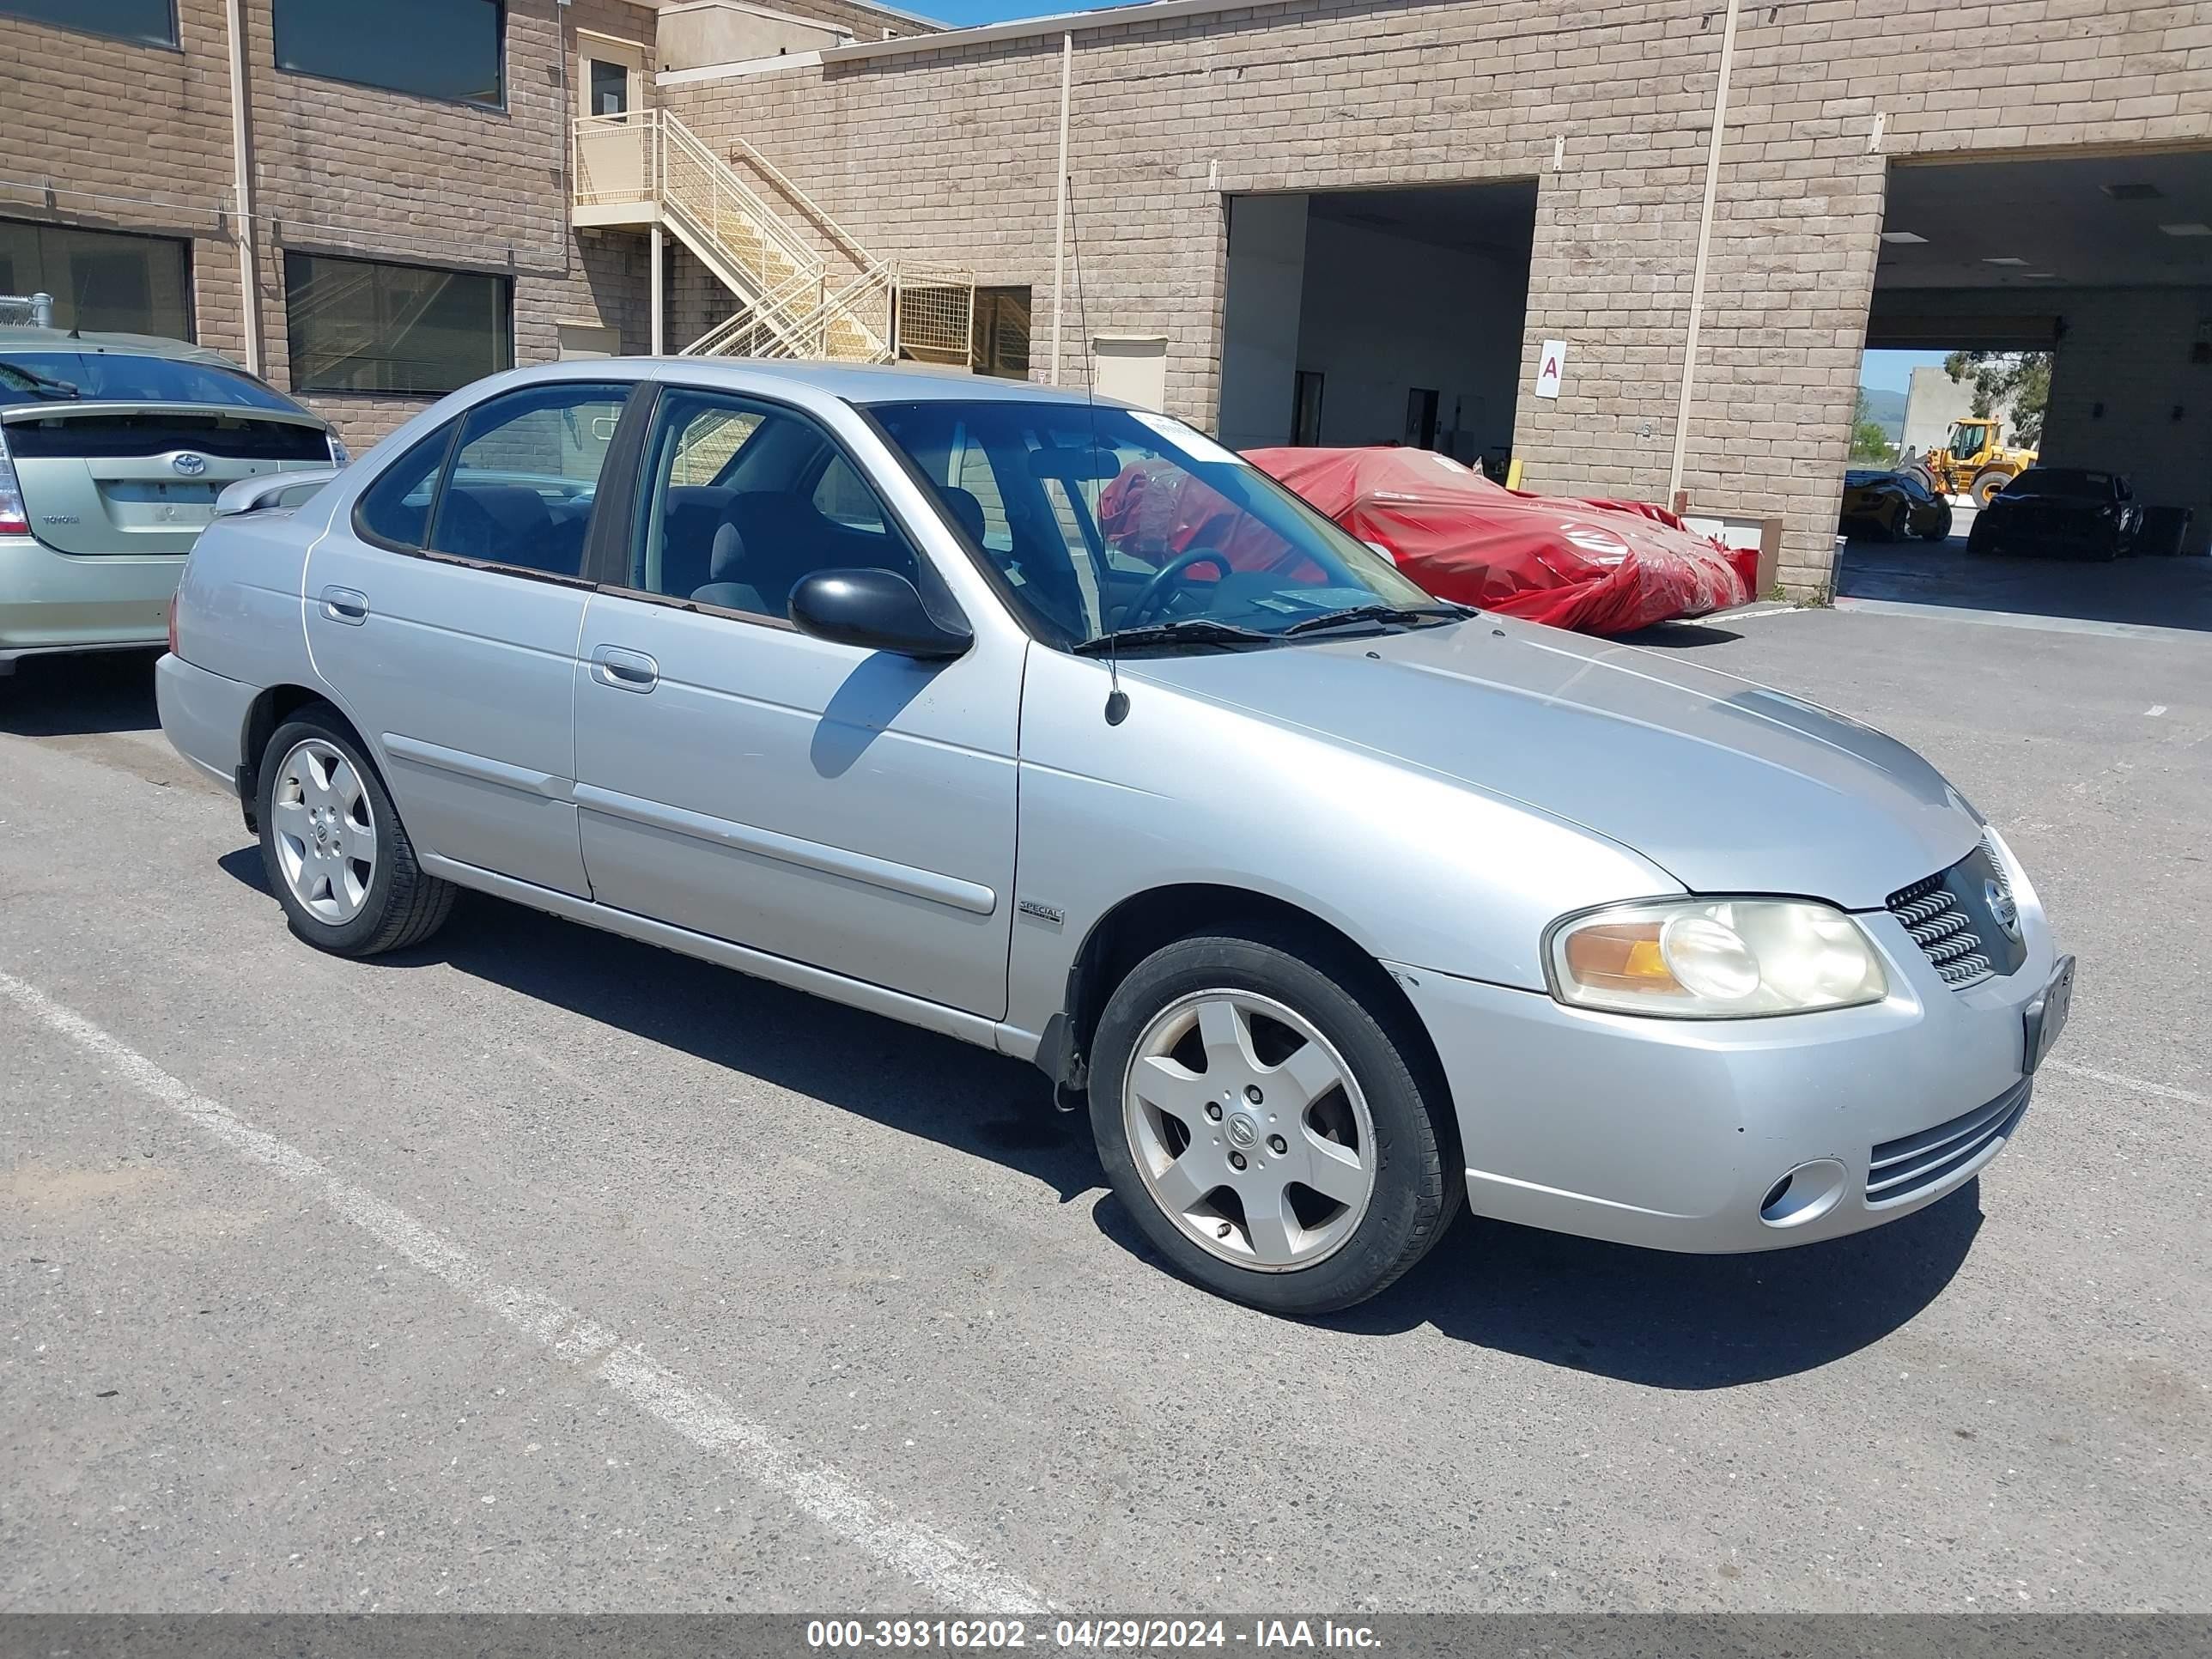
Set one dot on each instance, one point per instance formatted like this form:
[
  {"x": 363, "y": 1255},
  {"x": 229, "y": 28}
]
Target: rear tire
[
  {"x": 1939, "y": 527},
  {"x": 337, "y": 857},
  {"x": 1986, "y": 483},
  {"x": 1225, "y": 1072}
]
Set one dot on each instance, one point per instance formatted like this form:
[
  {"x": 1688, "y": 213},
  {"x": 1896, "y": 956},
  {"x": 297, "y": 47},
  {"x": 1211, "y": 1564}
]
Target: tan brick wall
[
  {"x": 138, "y": 138},
  {"x": 951, "y": 154}
]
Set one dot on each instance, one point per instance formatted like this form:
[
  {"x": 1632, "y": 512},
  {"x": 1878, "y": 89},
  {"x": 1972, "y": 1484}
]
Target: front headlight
[{"x": 1714, "y": 959}]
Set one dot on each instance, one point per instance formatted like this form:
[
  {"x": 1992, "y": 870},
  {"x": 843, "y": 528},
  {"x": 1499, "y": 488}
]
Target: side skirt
[{"x": 780, "y": 971}]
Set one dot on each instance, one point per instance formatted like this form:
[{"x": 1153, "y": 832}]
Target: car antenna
[{"x": 1117, "y": 700}]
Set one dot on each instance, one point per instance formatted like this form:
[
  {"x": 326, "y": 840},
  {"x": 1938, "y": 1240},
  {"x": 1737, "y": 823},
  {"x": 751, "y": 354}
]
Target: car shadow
[
  {"x": 1678, "y": 636},
  {"x": 77, "y": 695},
  {"x": 1668, "y": 1321},
  {"x": 916, "y": 1082}
]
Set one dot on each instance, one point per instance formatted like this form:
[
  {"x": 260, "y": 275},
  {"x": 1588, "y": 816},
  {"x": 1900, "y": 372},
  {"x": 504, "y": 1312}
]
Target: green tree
[
  {"x": 2016, "y": 383},
  {"x": 1869, "y": 441}
]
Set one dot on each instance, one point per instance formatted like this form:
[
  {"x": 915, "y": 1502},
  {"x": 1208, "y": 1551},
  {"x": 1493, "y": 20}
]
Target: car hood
[{"x": 1728, "y": 787}]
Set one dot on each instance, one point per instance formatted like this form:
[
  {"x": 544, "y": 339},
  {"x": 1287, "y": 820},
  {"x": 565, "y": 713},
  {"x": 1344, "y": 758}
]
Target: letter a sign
[{"x": 1550, "y": 364}]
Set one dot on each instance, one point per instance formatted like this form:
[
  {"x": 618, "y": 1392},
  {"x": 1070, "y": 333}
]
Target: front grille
[
  {"x": 1950, "y": 919},
  {"x": 1908, "y": 1167}
]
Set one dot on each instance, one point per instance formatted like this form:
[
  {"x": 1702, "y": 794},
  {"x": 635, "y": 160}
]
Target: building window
[
  {"x": 101, "y": 280},
  {"x": 150, "y": 22},
  {"x": 1000, "y": 343},
  {"x": 444, "y": 48},
  {"x": 356, "y": 327}
]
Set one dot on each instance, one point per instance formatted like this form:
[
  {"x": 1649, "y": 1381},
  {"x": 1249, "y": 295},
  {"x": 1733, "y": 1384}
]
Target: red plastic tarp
[{"x": 1597, "y": 566}]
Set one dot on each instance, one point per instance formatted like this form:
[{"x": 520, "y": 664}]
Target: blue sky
[
  {"x": 961, "y": 13},
  {"x": 1892, "y": 371}
]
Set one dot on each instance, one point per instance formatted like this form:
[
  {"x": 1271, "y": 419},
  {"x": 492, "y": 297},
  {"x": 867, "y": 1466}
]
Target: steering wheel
[{"x": 1155, "y": 594}]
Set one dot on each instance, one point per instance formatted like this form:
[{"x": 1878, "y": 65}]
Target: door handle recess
[
  {"x": 345, "y": 605},
  {"x": 625, "y": 669}
]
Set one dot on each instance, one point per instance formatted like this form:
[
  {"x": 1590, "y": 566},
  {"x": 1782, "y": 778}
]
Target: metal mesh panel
[
  {"x": 27, "y": 310},
  {"x": 936, "y": 314}
]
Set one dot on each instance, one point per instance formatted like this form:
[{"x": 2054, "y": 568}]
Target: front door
[
  {"x": 847, "y": 809},
  {"x": 611, "y": 162},
  {"x": 445, "y": 619}
]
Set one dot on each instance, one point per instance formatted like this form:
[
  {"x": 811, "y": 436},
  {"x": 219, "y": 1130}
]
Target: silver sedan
[{"x": 1049, "y": 724}]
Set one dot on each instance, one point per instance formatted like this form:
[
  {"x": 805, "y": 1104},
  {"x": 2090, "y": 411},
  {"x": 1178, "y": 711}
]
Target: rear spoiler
[
  {"x": 78, "y": 408},
  {"x": 272, "y": 489}
]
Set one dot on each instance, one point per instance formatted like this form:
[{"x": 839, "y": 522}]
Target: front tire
[
  {"x": 337, "y": 857},
  {"x": 1273, "y": 1124}
]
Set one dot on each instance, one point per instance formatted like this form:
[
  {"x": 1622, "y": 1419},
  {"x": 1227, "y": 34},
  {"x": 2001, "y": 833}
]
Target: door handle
[
  {"x": 345, "y": 605},
  {"x": 625, "y": 669}
]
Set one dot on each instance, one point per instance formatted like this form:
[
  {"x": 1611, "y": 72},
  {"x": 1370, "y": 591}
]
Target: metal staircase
[{"x": 646, "y": 167}]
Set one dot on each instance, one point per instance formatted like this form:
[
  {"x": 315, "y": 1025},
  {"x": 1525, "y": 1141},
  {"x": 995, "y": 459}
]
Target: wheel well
[
  {"x": 1144, "y": 922},
  {"x": 271, "y": 710}
]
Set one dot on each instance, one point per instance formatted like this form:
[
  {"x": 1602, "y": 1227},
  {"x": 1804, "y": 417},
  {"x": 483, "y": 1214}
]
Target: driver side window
[{"x": 784, "y": 504}]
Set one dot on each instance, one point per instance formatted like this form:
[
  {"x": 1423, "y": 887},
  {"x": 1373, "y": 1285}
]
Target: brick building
[
  {"x": 402, "y": 217},
  {"x": 1341, "y": 220}
]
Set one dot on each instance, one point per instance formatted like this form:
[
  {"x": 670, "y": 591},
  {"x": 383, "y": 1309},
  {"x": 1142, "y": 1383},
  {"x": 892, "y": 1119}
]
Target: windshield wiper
[
  {"x": 1407, "y": 616},
  {"x": 34, "y": 381},
  {"x": 1192, "y": 630}
]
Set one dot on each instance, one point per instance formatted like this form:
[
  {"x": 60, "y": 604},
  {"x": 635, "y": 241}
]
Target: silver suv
[
  {"x": 113, "y": 448},
  {"x": 1052, "y": 724}
]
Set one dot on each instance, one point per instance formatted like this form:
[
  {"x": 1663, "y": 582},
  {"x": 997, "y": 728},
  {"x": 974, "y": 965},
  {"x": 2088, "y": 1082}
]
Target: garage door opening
[
  {"x": 2050, "y": 319},
  {"x": 1378, "y": 317}
]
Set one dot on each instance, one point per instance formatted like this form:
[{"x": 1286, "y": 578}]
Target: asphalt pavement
[{"x": 538, "y": 1269}]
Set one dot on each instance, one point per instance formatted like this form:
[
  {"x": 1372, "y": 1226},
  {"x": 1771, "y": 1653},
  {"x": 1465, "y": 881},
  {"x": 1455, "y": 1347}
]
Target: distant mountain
[{"x": 1886, "y": 408}]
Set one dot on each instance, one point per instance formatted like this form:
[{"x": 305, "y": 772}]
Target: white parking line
[
  {"x": 946, "y": 1569},
  {"x": 2155, "y": 710},
  {"x": 2165, "y": 1091}
]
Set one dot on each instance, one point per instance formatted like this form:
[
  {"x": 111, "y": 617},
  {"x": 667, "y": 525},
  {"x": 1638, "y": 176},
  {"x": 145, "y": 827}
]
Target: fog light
[{"x": 1805, "y": 1193}]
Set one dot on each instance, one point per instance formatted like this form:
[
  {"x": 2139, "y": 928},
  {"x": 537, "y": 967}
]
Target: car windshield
[
  {"x": 2070, "y": 484},
  {"x": 28, "y": 377},
  {"x": 1118, "y": 521}
]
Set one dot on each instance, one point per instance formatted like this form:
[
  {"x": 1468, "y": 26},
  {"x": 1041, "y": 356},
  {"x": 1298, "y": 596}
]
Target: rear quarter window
[{"x": 395, "y": 510}]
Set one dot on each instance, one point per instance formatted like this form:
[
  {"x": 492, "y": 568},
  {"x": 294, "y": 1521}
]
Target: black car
[
  {"x": 1891, "y": 506},
  {"x": 2068, "y": 511}
]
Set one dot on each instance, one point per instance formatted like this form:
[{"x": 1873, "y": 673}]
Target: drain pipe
[
  {"x": 1704, "y": 244},
  {"x": 1059, "y": 196},
  {"x": 241, "y": 188}
]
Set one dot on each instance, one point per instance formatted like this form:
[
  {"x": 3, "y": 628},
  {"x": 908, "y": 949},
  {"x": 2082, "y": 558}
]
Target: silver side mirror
[{"x": 272, "y": 489}]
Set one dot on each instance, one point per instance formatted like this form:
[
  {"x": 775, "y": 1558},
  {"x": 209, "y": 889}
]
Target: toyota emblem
[
  {"x": 2002, "y": 906},
  {"x": 189, "y": 465}
]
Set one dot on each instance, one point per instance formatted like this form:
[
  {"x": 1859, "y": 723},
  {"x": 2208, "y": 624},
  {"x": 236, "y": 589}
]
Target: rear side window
[
  {"x": 396, "y": 509},
  {"x": 525, "y": 475}
]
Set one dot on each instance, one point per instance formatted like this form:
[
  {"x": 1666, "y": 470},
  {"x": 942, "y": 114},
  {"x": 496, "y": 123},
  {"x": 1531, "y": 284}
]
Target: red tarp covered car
[{"x": 1597, "y": 566}]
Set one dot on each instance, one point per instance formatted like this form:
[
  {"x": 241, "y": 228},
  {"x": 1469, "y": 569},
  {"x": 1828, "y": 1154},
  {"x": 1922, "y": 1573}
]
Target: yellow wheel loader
[{"x": 1975, "y": 462}]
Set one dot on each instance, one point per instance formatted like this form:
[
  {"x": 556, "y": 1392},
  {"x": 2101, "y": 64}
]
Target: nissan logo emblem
[
  {"x": 189, "y": 465},
  {"x": 2003, "y": 908}
]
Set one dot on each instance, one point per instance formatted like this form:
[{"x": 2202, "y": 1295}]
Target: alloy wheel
[
  {"x": 324, "y": 830},
  {"x": 1248, "y": 1130}
]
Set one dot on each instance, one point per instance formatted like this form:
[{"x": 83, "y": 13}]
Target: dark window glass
[
  {"x": 154, "y": 21},
  {"x": 782, "y": 503},
  {"x": 525, "y": 475},
  {"x": 1000, "y": 343},
  {"x": 102, "y": 281},
  {"x": 609, "y": 88},
  {"x": 361, "y": 327},
  {"x": 127, "y": 378},
  {"x": 446, "y": 49},
  {"x": 396, "y": 508}
]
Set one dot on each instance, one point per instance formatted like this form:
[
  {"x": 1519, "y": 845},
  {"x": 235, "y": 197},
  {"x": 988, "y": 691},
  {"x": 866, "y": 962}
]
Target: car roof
[
  {"x": 853, "y": 383},
  {"x": 135, "y": 345}
]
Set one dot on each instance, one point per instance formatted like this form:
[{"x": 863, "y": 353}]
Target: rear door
[{"x": 446, "y": 616}]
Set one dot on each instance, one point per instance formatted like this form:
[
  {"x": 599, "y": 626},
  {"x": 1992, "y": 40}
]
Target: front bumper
[
  {"x": 52, "y": 601},
  {"x": 1674, "y": 1133}
]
